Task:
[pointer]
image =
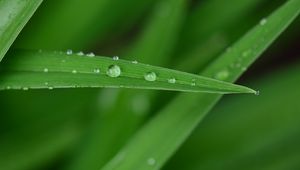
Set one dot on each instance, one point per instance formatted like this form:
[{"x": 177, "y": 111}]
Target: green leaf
[
  {"x": 14, "y": 14},
  {"x": 36, "y": 70},
  {"x": 151, "y": 147},
  {"x": 110, "y": 131},
  {"x": 265, "y": 136}
]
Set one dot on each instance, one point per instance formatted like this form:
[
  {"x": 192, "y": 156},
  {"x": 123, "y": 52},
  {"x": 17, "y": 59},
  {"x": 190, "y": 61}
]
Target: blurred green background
[{"x": 84, "y": 128}]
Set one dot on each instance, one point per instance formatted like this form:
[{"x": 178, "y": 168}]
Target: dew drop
[
  {"x": 257, "y": 93},
  {"x": 172, "y": 80},
  {"x": 263, "y": 21},
  {"x": 50, "y": 88},
  {"x": 97, "y": 70},
  {"x": 46, "y": 83},
  {"x": 115, "y": 58},
  {"x": 25, "y": 88},
  {"x": 222, "y": 75},
  {"x": 90, "y": 55},
  {"x": 193, "y": 84},
  {"x": 80, "y": 53},
  {"x": 8, "y": 87},
  {"x": 113, "y": 71},
  {"x": 134, "y": 62},
  {"x": 74, "y": 71},
  {"x": 150, "y": 76},
  {"x": 69, "y": 52},
  {"x": 151, "y": 161},
  {"x": 46, "y": 70}
]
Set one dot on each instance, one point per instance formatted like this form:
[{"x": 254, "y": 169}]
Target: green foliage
[{"x": 80, "y": 125}]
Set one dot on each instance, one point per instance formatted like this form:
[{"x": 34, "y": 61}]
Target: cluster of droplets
[{"x": 80, "y": 53}]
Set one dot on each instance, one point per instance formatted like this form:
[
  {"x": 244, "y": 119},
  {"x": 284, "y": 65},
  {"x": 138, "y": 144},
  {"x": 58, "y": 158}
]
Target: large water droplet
[
  {"x": 172, "y": 80},
  {"x": 263, "y": 21},
  {"x": 115, "y": 58},
  {"x": 150, "y": 76},
  {"x": 222, "y": 75},
  {"x": 69, "y": 52},
  {"x": 113, "y": 71},
  {"x": 151, "y": 161}
]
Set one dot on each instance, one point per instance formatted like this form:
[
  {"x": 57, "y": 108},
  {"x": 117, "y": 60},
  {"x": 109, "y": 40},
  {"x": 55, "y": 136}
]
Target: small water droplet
[
  {"x": 50, "y": 87},
  {"x": 46, "y": 70},
  {"x": 244, "y": 68},
  {"x": 74, "y": 71},
  {"x": 69, "y": 52},
  {"x": 115, "y": 58},
  {"x": 172, "y": 80},
  {"x": 151, "y": 161},
  {"x": 257, "y": 93},
  {"x": 97, "y": 70},
  {"x": 80, "y": 53},
  {"x": 222, "y": 75},
  {"x": 90, "y": 55},
  {"x": 263, "y": 21},
  {"x": 134, "y": 62},
  {"x": 46, "y": 83},
  {"x": 25, "y": 88},
  {"x": 150, "y": 76},
  {"x": 193, "y": 84},
  {"x": 8, "y": 87},
  {"x": 113, "y": 71}
]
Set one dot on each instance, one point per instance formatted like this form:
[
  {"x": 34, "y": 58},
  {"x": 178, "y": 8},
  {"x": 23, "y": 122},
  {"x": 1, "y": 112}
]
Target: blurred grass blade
[
  {"x": 266, "y": 135},
  {"x": 158, "y": 140},
  {"x": 35, "y": 70},
  {"x": 76, "y": 23},
  {"x": 14, "y": 14}
]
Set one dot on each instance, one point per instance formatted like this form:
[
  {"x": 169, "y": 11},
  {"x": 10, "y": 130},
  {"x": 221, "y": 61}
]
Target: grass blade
[
  {"x": 36, "y": 70},
  {"x": 111, "y": 130},
  {"x": 157, "y": 141},
  {"x": 14, "y": 14},
  {"x": 254, "y": 138}
]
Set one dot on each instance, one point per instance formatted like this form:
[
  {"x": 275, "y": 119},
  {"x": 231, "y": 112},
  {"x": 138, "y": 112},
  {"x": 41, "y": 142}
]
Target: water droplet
[
  {"x": 244, "y": 68},
  {"x": 25, "y": 88},
  {"x": 246, "y": 53},
  {"x": 222, "y": 75},
  {"x": 46, "y": 70},
  {"x": 69, "y": 52},
  {"x": 113, "y": 71},
  {"x": 74, "y": 71},
  {"x": 150, "y": 76},
  {"x": 97, "y": 70},
  {"x": 115, "y": 58},
  {"x": 80, "y": 53},
  {"x": 134, "y": 62},
  {"x": 50, "y": 88},
  {"x": 172, "y": 80},
  {"x": 90, "y": 55},
  {"x": 8, "y": 87},
  {"x": 151, "y": 161},
  {"x": 46, "y": 83},
  {"x": 263, "y": 21},
  {"x": 257, "y": 93},
  {"x": 193, "y": 84}
]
